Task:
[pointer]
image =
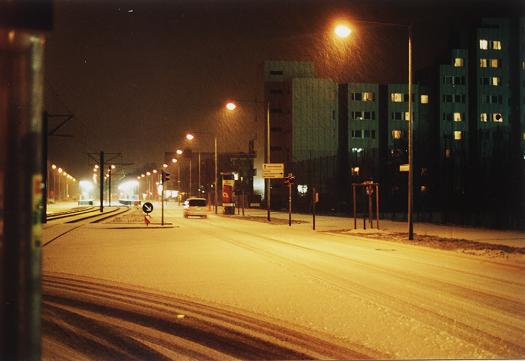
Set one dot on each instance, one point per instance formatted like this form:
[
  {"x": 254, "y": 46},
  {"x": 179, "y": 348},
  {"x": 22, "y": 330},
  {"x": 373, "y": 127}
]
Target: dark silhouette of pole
[
  {"x": 101, "y": 168},
  {"x": 45, "y": 177},
  {"x": 410, "y": 136},
  {"x": 109, "y": 186},
  {"x": 268, "y": 182}
]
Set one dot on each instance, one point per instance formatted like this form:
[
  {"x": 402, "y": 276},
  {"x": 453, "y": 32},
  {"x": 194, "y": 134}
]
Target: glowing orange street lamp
[
  {"x": 189, "y": 136},
  {"x": 342, "y": 31},
  {"x": 231, "y": 106}
]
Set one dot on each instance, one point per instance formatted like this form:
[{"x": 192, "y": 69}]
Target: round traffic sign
[{"x": 147, "y": 207}]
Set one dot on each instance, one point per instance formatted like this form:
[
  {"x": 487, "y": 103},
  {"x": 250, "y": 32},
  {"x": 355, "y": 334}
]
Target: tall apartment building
[
  {"x": 453, "y": 129},
  {"x": 303, "y": 125},
  {"x": 481, "y": 124},
  {"x": 374, "y": 138}
]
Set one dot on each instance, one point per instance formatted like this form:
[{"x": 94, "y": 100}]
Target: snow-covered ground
[{"x": 391, "y": 299}]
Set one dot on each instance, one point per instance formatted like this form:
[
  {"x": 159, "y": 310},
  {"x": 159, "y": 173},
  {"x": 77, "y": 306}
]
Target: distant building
[
  {"x": 468, "y": 132},
  {"x": 481, "y": 125},
  {"x": 303, "y": 126}
]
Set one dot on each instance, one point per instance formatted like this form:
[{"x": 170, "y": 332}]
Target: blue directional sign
[{"x": 147, "y": 207}]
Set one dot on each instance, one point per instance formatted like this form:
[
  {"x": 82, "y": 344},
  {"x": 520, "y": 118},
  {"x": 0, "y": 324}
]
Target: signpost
[
  {"x": 315, "y": 200},
  {"x": 147, "y": 208},
  {"x": 289, "y": 180},
  {"x": 271, "y": 171}
]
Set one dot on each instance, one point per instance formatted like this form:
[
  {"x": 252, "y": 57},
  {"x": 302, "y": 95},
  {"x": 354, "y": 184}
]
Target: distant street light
[
  {"x": 215, "y": 194},
  {"x": 267, "y": 158},
  {"x": 344, "y": 31},
  {"x": 231, "y": 106}
]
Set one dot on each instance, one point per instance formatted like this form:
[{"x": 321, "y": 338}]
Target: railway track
[
  {"x": 83, "y": 214},
  {"x": 69, "y": 213},
  {"x": 79, "y": 219}
]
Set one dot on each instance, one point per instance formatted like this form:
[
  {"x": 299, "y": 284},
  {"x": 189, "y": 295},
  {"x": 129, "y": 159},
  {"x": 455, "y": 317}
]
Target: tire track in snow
[{"x": 88, "y": 318}]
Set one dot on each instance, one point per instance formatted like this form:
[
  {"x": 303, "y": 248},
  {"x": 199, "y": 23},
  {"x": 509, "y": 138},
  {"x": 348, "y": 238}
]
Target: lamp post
[
  {"x": 232, "y": 106},
  {"x": 344, "y": 31},
  {"x": 190, "y": 137}
]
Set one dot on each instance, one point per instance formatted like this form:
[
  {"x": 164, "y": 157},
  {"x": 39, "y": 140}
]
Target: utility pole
[
  {"x": 268, "y": 183},
  {"x": 104, "y": 158},
  {"x": 45, "y": 172},
  {"x": 101, "y": 181}
]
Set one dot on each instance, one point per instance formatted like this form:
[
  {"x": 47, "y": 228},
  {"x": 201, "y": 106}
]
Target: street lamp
[
  {"x": 344, "y": 31},
  {"x": 232, "y": 106},
  {"x": 190, "y": 137}
]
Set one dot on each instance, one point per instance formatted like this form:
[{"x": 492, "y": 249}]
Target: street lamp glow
[
  {"x": 113, "y": 166},
  {"x": 128, "y": 185},
  {"x": 53, "y": 166},
  {"x": 148, "y": 174},
  {"x": 164, "y": 165},
  {"x": 85, "y": 186},
  {"x": 231, "y": 106},
  {"x": 173, "y": 160},
  {"x": 96, "y": 166},
  {"x": 142, "y": 175},
  {"x": 342, "y": 31},
  {"x": 59, "y": 170},
  {"x": 189, "y": 136},
  {"x": 179, "y": 151},
  {"x": 154, "y": 171}
]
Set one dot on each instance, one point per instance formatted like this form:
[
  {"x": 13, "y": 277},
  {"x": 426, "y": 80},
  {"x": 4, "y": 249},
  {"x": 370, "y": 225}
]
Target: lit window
[
  {"x": 483, "y": 117},
  {"x": 396, "y": 97},
  {"x": 447, "y": 153},
  {"x": 496, "y": 45},
  {"x": 424, "y": 99},
  {"x": 407, "y": 116},
  {"x": 482, "y": 63},
  {"x": 497, "y": 118},
  {"x": 457, "y": 135},
  {"x": 396, "y": 134},
  {"x": 368, "y": 96},
  {"x": 457, "y": 117},
  {"x": 495, "y": 81},
  {"x": 458, "y": 62},
  {"x": 495, "y": 63},
  {"x": 483, "y": 44}
]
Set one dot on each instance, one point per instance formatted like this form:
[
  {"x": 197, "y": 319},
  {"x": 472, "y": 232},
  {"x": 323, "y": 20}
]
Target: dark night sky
[{"x": 137, "y": 75}]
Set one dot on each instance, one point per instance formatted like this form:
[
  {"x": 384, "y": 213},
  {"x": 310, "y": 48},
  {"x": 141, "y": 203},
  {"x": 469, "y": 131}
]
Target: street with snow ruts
[{"x": 242, "y": 288}]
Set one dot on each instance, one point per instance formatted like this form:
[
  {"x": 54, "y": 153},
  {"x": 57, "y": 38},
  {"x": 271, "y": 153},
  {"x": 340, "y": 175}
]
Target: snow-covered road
[{"x": 377, "y": 298}]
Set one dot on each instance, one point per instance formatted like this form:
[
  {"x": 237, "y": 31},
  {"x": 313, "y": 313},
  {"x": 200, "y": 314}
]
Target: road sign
[
  {"x": 273, "y": 170},
  {"x": 147, "y": 207}
]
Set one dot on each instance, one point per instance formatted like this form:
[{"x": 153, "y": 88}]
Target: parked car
[{"x": 195, "y": 207}]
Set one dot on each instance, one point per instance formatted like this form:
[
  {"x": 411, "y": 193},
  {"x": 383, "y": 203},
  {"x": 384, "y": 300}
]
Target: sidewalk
[{"x": 511, "y": 238}]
